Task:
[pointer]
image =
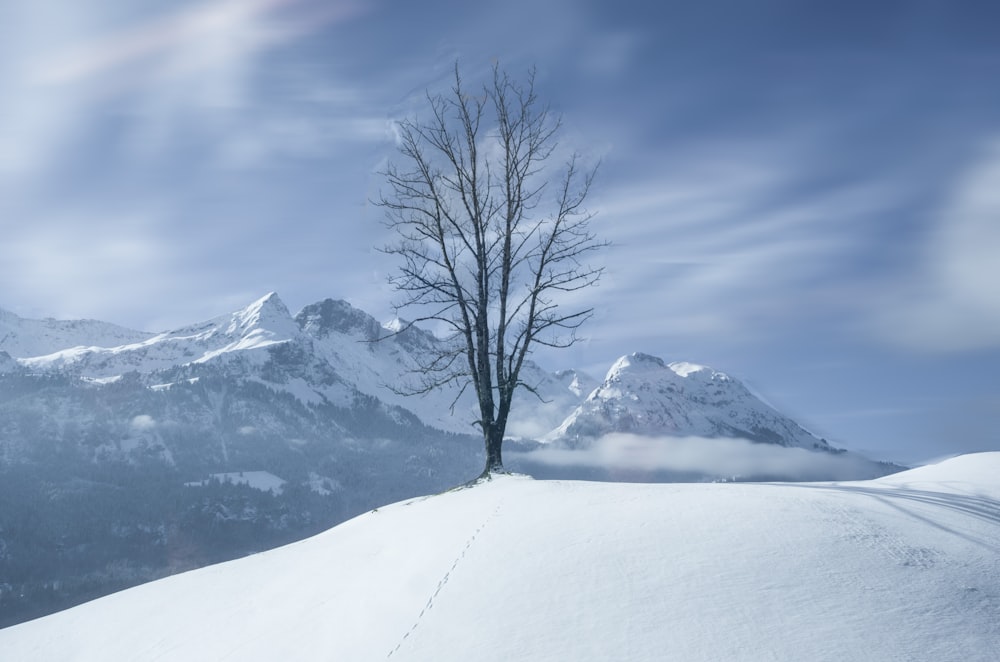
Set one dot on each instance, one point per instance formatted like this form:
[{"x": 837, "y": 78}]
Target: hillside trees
[{"x": 491, "y": 234}]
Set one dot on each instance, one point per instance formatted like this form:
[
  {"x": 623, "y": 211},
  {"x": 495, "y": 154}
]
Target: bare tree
[{"x": 489, "y": 235}]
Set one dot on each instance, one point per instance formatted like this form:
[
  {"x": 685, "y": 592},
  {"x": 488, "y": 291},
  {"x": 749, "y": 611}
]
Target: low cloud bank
[{"x": 631, "y": 457}]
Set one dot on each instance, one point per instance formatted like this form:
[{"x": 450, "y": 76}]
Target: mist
[{"x": 629, "y": 457}]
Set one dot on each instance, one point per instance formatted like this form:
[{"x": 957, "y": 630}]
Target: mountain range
[{"x": 127, "y": 455}]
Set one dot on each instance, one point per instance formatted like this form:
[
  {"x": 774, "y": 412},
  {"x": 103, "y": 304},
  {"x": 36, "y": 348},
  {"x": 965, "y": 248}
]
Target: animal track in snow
[{"x": 444, "y": 580}]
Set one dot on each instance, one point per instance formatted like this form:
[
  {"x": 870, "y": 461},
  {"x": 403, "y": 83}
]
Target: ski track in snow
[
  {"x": 909, "y": 502},
  {"x": 444, "y": 580},
  {"x": 853, "y": 525}
]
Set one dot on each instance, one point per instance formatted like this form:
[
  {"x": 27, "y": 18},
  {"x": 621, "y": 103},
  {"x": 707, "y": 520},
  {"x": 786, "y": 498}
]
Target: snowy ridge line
[{"x": 444, "y": 580}]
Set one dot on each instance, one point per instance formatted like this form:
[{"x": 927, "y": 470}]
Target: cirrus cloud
[{"x": 951, "y": 299}]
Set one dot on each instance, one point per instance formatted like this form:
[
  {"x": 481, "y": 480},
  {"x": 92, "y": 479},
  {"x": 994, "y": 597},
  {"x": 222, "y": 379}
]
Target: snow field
[{"x": 901, "y": 568}]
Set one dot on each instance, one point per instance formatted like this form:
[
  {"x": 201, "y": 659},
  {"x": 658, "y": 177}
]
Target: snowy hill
[
  {"x": 901, "y": 568},
  {"x": 642, "y": 394}
]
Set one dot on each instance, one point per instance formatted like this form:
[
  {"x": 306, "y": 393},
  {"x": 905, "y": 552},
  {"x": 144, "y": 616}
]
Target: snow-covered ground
[{"x": 905, "y": 567}]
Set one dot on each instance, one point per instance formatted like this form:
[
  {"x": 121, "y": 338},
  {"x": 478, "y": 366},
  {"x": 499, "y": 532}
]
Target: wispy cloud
[
  {"x": 193, "y": 38},
  {"x": 950, "y": 299},
  {"x": 729, "y": 248},
  {"x": 102, "y": 259},
  {"x": 156, "y": 76}
]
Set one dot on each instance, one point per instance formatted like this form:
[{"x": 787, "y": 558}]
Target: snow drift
[{"x": 905, "y": 567}]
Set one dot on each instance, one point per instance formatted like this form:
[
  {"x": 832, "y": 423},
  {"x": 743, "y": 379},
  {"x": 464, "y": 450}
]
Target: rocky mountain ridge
[
  {"x": 349, "y": 353},
  {"x": 331, "y": 353}
]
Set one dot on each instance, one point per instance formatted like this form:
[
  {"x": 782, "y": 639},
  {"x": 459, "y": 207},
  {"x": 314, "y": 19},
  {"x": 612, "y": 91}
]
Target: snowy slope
[
  {"x": 902, "y": 568},
  {"x": 642, "y": 394}
]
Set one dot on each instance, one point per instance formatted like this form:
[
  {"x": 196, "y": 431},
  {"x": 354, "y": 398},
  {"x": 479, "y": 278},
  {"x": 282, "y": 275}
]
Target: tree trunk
[{"x": 494, "y": 459}]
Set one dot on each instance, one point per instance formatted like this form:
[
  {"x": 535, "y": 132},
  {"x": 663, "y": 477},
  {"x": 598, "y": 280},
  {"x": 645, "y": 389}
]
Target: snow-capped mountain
[
  {"x": 218, "y": 395},
  {"x": 644, "y": 395},
  {"x": 21, "y": 337},
  {"x": 262, "y": 324},
  {"x": 330, "y": 353},
  {"x": 350, "y": 351},
  {"x": 329, "y": 373}
]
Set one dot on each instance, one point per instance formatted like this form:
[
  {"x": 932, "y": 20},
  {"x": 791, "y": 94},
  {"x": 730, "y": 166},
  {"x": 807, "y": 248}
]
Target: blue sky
[{"x": 803, "y": 194}]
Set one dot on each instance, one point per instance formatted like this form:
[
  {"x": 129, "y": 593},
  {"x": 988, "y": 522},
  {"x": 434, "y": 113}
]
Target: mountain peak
[
  {"x": 644, "y": 395},
  {"x": 635, "y": 362},
  {"x": 268, "y": 312},
  {"x": 337, "y": 316},
  {"x": 639, "y": 363},
  {"x": 271, "y": 298}
]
